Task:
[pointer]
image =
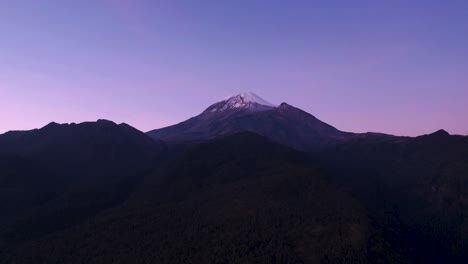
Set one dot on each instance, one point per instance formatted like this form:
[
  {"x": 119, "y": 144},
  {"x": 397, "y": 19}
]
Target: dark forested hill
[
  {"x": 99, "y": 192},
  {"x": 54, "y": 177},
  {"x": 239, "y": 199},
  {"x": 417, "y": 188}
]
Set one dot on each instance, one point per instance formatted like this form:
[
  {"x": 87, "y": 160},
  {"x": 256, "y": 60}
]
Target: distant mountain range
[{"x": 245, "y": 181}]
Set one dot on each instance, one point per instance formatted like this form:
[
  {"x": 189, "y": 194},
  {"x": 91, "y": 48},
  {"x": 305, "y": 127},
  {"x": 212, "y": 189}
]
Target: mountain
[
  {"x": 93, "y": 142},
  {"x": 283, "y": 124},
  {"x": 244, "y": 182},
  {"x": 235, "y": 199},
  {"x": 54, "y": 177}
]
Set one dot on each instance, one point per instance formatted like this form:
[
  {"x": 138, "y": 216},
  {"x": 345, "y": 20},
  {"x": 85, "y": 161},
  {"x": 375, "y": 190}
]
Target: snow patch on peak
[
  {"x": 246, "y": 100},
  {"x": 247, "y": 97}
]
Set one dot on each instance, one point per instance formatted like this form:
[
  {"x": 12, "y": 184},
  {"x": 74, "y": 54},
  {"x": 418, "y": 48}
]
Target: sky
[{"x": 398, "y": 67}]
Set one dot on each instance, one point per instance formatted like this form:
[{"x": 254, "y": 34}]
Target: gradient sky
[{"x": 398, "y": 67}]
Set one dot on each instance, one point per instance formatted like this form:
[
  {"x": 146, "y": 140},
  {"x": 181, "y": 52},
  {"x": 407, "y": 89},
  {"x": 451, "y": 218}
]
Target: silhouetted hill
[
  {"x": 99, "y": 192},
  {"x": 238, "y": 199},
  {"x": 416, "y": 187},
  {"x": 56, "y": 176},
  {"x": 93, "y": 142}
]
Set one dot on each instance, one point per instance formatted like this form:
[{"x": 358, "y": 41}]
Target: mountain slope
[
  {"x": 283, "y": 124},
  {"x": 237, "y": 199},
  {"x": 54, "y": 177},
  {"x": 101, "y": 141},
  {"x": 417, "y": 188}
]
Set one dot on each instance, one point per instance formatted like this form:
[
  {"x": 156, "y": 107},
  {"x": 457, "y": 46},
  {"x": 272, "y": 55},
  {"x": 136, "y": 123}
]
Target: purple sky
[{"x": 398, "y": 67}]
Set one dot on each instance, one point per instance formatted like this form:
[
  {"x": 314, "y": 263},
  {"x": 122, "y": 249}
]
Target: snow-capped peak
[
  {"x": 248, "y": 97},
  {"x": 246, "y": 100}
]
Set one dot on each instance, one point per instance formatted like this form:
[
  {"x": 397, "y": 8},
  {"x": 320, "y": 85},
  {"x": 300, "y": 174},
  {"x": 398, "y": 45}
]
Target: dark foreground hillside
[
  {"x": 416, "y": 188},
  {"x": 60, "y": 175},
  {"x": 240, "y": 199},
  {"x": 99, "y": 192}
]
